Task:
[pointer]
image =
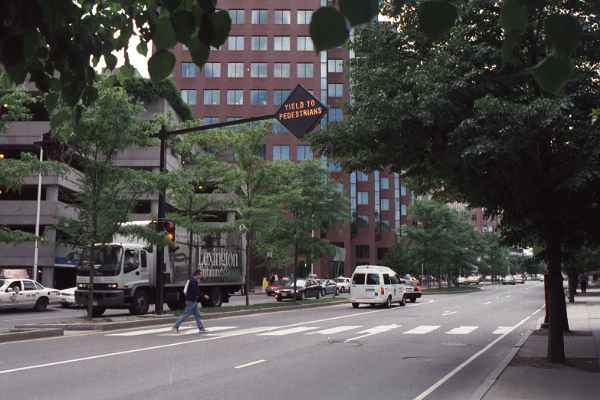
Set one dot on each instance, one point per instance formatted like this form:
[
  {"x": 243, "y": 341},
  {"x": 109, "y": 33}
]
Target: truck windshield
[{"x": 107, "y": 263}]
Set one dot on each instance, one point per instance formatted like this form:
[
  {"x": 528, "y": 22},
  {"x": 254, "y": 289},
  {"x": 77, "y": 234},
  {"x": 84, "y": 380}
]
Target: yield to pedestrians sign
[{"x": 300, "y": 112}]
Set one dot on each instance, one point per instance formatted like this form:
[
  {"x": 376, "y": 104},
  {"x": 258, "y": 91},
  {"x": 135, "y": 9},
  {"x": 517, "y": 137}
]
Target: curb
[
  {"x": 491, "y": 379},
  {"x": 17, "y": 334},
  {"x": 110, "y": 326}
]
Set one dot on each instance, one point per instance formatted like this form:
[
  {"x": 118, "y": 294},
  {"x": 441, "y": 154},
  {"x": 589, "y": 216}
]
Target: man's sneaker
[
  {"x": 202, "y": 330},
  {"x": 175, "y": 329}
]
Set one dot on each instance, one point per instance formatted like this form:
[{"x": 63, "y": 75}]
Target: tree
[
  {"x": 308, "y": 203},
  {"x": 495, "y": 258},
  {"x": 107, "y": 126},
  {"x": 461, "y": 118}
]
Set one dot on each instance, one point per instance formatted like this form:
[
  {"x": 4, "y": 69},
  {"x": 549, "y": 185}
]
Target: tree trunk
[
  {"x": 190, "y": 249},
  {"x": 295, "y": 268},
  {"x": 439, "y": 277},
  {"x": 556, "y": 346},
  {"x": 90, "y": 304}
]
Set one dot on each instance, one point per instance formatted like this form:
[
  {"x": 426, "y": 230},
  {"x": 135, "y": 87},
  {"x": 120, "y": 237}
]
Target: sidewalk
[{"x": 529, "y": 376}]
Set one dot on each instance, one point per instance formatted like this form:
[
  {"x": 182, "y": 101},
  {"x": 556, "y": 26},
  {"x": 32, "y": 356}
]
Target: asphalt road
[
  {"x": 55, "y": 313},
  {"x": 442, "y": 347}
]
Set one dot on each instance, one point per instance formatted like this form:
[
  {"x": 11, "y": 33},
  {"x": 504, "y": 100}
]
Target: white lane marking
[
  {"x": 194, "y": 331},
  {"x": 145, "y": 331},
  {"x": 447, "y": 313},
  {"x": 374, "y": 331},
  {"x": 165, "y": 346},
  {"x": 248, "y": 331},
  {"x": 501, "y": 330},
  {"x": 422, "y": 330},
  {"x": 420, "y": 304},
  {"x": 250, "y": 364},
  {"x": 487, "y": 302},
  {"x": 289, "y": 331},
  {"x": 469, "y": 360},
  {"x": 337, "y": 329},
  {"x": 462, "y": 330}
]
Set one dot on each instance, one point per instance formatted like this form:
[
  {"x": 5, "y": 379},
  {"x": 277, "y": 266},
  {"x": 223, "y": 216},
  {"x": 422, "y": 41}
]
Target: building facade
[{"x": 269, "y": 52}]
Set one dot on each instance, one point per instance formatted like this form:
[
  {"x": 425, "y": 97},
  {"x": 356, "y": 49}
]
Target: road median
[{"x": 17, "y": 334}]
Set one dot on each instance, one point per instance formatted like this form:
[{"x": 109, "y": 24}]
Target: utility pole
[
  {"x": 160, "y": 250},
  {"x": 37, "y": 218}
]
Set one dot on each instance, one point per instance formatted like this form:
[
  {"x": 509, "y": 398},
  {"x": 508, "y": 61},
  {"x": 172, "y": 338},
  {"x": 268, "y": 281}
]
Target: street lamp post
[{"x": 37, "y": 219}]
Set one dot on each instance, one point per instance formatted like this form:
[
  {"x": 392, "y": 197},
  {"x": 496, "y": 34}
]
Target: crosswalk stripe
[
  {"x": 501, "y": 330},
  {"x": 194, "y": 331},
  {"x": 462, "y": 330},
  {"x": 289, "y": 331},
  {"x": 144, "y": 331},
  {"x": 374, "y": 331},
  {"x": 337, "y": 329},
  {"x": 421, "y": 330}
]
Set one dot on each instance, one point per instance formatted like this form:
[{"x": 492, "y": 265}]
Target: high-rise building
[{"x": 269, "y": 51}]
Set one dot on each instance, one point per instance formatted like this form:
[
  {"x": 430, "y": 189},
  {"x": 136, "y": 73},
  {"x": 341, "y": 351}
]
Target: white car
[
  {"x": 67, "y": 297},
  {"x": 25, "y": 293},
  {"x": 508, "y": 280},
  {"x": 343, "y": 284}
]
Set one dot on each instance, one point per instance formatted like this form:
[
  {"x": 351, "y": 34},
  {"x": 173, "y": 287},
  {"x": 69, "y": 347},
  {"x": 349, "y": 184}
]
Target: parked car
[
  {"x": 473, "y": 280},
  {"x": 67, "y": 297},
  {"x": 508, "y": 280},
  {"x": 519, "y": 278},
  {"x": 412, "y": 290},
  {"x": 373, "y": 284},
  {"x": 328, "y": 287},
  {"x": 343, "y": 284},
  {"x": 304, "y": 289},
  {"x": 273, "y": 287},
  {"x": 26, "y": 293}
]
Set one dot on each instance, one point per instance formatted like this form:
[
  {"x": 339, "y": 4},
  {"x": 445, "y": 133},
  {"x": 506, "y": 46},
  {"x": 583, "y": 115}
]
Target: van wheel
[
  {"x": 41, "y": 304},
  {"x": 140, "y": 303},
  {"x": 403, "y": 303},
  {"x": 413, "y": 299},
  {"x": 354, "y": 305},
  {"x": 216, "y": 298},
  {"x": 98, "y": 311},
  {"x": 388, "y": 302}
]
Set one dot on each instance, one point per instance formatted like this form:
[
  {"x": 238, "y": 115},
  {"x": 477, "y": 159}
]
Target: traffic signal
[{"x": 167, "y": 228}]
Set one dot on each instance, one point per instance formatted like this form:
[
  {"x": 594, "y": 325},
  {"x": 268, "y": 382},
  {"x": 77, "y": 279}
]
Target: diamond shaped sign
[{"x": 300, "y": 112}]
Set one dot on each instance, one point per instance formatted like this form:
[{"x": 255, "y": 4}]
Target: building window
[
  {"x": 363, "y": 221},
  {"x": 258, "y": 97},
  {"x": 235, "y": 70},
  {"x": 237, "y": 17},
  {"x": 304, "y": 17},
  {"x": 281, "y": 152},
  {"x": 278, "y": 127},
  {"x": 335, "y": 66},
  {"x": 362, "y": 251},
  {"x": 403, "y": 210},
  {"x": 281, "y": 17},
  {"x": 304, "y": 43},
  {"x": 281, "y": 70},
  {"x": 279, "y": 96},
  {"x": 362, "y": 177},
  {"x": 385, "y": 204},
  {"x": 210, "y": 120},
  {"x": 188, "y": 70},
  {"x": 305, "y": 70},
  {"x": 304, "y": 152},
  {"x": 334, "y": 114},
  {"x": 212, "y": 97},
  {"x": 259, "y": 43},
  {"x": 362, "y": 198},
  {"x": 402, "y": 190},
  {"x": 281, "y": 43},
  {"x": 235, "y": 43},
  {"x": 258, "y": 70},
  {"x": 260, "y": 17},
  {"x": 335, "y": 90},
  {"x": 385, "y": 183},
  {"x": 334, "y": 166},
  {"x": 188, "y": 96},
  {"x": 212, "y": 70},
  {"x": 235, "y": 97},
  {"x": 381, "y": 252}
]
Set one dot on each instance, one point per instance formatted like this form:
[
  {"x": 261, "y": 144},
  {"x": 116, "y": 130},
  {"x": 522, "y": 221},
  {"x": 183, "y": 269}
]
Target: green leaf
[
  {"x": 160, "y": 65},
  {"x": 563, "y": 33},
  {"x": 513, "y": 17},
  {"x": 184, "y": 24},
  {"x": 509, "y": 45},
  {"x": 208, "y": 6},
  {"x": 552, "y": 73},
  {"x": 199, "y": 51},
  {"x": 51, "y": 101},
  {"x": 220, "y": 25},
  {"x": 111, "y": 61},
  {"x": 142, "y": 48},
  {"x": 436, "y": 17},
  {"x": 359, "y": 11},
  {"x": 328, "y": 28},
  {"x": 164, "y": 36}
]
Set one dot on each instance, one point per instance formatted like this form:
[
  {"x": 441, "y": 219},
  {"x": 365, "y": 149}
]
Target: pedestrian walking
[
  {"x": 192, "y": 294},
  {"x": 583, "y": 281}
]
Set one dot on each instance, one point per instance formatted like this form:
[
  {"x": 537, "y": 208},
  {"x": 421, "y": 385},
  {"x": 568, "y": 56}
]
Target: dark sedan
[
  {"x": 304, "y": 289},
  {"x": 329, "y": 287}
]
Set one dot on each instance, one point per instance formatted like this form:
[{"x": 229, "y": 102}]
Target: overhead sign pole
[{"x": 300, "y": 113}]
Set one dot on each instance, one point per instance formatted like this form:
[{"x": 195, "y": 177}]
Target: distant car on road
[
  {"x": 26, "y": 293},
  {"x": 67, "y": 297},
  {"x": 412, "y": 290},
  {"x": 519, "y": 278},
  {"x": 304, "y": 289},
  {"x": 343, "y": 284},
  {"x": 508, "y": 280}
]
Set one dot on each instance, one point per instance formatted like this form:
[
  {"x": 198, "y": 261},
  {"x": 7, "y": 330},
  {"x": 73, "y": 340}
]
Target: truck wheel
[
  {"x": 216, "y": 297},
  {"x": 41, "y": 304},
  {"x": 403, "y": 303},
  {"x": 318, "y": 295},
  {"x": 98, "y": 311},
  {"x": 413, "y": 299},
  {"x": 354, "y": 305},
  {"x": 140, "y": 303}
]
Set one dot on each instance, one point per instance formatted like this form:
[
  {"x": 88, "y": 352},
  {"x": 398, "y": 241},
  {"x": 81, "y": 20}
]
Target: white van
[{"x": 374, "y": 284}]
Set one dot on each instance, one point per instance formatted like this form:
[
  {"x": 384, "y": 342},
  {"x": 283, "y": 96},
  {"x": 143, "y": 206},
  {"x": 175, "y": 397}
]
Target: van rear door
[
  {"x": 357, "y": 289},
  {"x": 372, "y": 285}
]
